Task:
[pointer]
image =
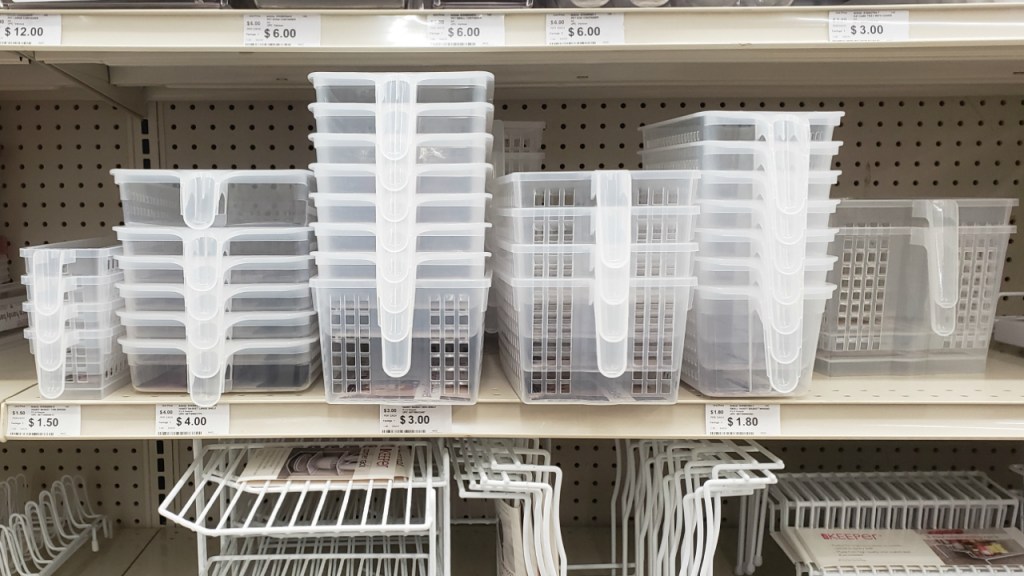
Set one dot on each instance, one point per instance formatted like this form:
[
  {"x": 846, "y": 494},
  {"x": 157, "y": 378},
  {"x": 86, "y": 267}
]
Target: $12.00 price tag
[
  {"x": 192, "y": 420},
  {"x": 742, "y": 420},
  {"x": 466, "y": 30},
  {"x": 30, "y": 29},
  {"x": 415, "y": 419},
  {"x": 868, "y": 26},
  {"x": 43, "y": 420},
  {"x": 585, "y": 29},
  {"x": 272, "y": 30}
]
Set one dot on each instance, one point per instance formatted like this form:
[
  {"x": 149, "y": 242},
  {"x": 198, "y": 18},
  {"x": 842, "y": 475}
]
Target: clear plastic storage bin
[
  {"x": 210, "y": 247},
  {"x": 425, "y": 148},
  {"x": 92, "y": 257},
  {"x": 403, "y": 88},
  {"x": 739, "y": 155},
  {"x": 745, "y": 126},
  {"x": 202, "y": 199},
  {"x": 236, "y": 325},
  {"x": 523, "y": 137},
  {"x": 79, "y": 364},
  {"x": 428, "y": 237},
  {"x": 74, "y": 289},
  {"x": 430, "y": 179},
  {"x": 236, "y": 269},
  {"x": 918, "y": 286},
  {"x": 236, "y": 298},
  {"x": 429, "y": 208},
  {"x": 437, "y": 118}
]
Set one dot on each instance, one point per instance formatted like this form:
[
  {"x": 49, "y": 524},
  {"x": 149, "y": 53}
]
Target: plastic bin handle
[
  {"x": 206, "y": 368},
  {"x": 790, "y": 164},
  {"x": 941, "y": 242},
  {"x": 612, "y": 192},
  {"x": 51, "y": 364},
  {"x": 396, "y": 300},
  {"x": 200, "y": 201},
  {"x": 396, "y": 133},
  {"x": 204, "y": 278}
]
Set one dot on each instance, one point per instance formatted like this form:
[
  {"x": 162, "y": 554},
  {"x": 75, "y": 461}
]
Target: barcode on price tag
[
  {"x": 192, "y": 420},
  {"x": 466, "y": 30},
  {"x": 868, "y": 26},
  {"x": 45, "y": 421},
  {"x": 30, "y": 29},
  {"x": 742, "y": 420},
  {"x": 415, "y": 420},
  {"x": 585, "y": 29},
  {"x": 275, "y": 30}
]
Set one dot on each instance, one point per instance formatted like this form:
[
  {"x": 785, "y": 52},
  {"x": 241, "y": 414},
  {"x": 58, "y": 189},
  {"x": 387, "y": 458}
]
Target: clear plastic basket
[
  {"x": 434, "y": 118},
  {"x": 79, "y": 364},
  {"x": 744, "y": 126},
  {"x": 398, "y": 89}
]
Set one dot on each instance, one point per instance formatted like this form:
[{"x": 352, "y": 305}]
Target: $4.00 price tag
[
  {"x": 742, "y": 420},
  {"x": 30, "y": 29},
  {"x": 43, "y": 420},
  {"x": 585, "y": 29},
  {"x": 297, "y": 30},
  {"x": 868, "y": 26},
  {"x": 415, "y": 419},
  {"x": 466, "y": 30},
  {"x": 192, "y": 420}
]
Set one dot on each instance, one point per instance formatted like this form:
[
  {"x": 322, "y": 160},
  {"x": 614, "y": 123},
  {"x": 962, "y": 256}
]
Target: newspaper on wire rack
[{"x": 340, "y": 463}]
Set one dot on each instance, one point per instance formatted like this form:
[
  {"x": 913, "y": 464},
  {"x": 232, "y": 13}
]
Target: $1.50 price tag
[
  {"x": 192, "y": 420},
  {"x": 30, "y": 29},
  {"x": 43, "y": 420},
  {"x": 415, "y": 419},
  {"x": 466, "y": 30},
  {"x": 868, "y": 26},
  {"x": 297, "y": 30},
  {"x": 742, "y": 420},
  {"x": 585, "y": 29}
]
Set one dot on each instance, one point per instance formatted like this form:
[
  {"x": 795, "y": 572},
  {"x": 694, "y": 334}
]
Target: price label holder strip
[
  {"x": 743, "y": 420},
  {"x": 31, "y": 29}
]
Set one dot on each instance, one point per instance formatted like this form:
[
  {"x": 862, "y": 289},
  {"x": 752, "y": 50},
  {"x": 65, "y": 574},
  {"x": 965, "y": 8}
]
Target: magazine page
[
  {"x": 511, "y": 555},
  {"x": 342, "y": 463}
]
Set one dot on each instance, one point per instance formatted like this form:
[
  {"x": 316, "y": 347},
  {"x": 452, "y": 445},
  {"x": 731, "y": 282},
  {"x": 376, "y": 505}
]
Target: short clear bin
[
  {"x": 428, "y": 237},
  {"x": 91, "y": 257},
  {"x": 430, "y": 179},
  {"x": 403, "y": 88},
  {"x": 436, "y": 118},
  {"x": 425, "y": 148},
  {"x": 236, "y": 269},
  {"x": 81, "y": 364},
  {"x": 237, "y": 325},
  {"x": 237, "y": 298},
  {"x": 214, "y": 244},
  {"x": 727, "y": 155},
  {"x": 742, "y": 126},
  {"x": 429, "y": 208}
]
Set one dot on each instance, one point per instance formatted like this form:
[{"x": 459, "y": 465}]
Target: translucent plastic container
[
  {"x": 739, "y": 243},
  {"x": 73, "y": 289},
  {"x": 628, "y": 189},
  {"x": 722, "y": 273},
  {"x": 430, "y": 179},
  {"x": 438, "y": 118},
  {"x": 732, "y": 155},
  {"x": 79, "y": 364},
  {"x": 202, "y": 199},
  {"x": 524, "y": 162},
  {"x": 237, "y": 325},
  {"x": 523, "y": 137},
  {"x": 426, "y": 148},
  {"x": 209, "y": 247},
  {"x": 236, "y": 269},
  {"x": 745, "y": 126},
  {"x": 582, "y": 261},
  {"x": 729, "y": 352},
  {"x": 429, "y": 208},
  {"x": 419, "y": 266},
  {"x": 720, "y": 185},
  {"x": 579, "y": 226},
  {"x": 918, "y": 286},
  {"x": 429, "y": 237},
  {"x": 558, "y": 346},
  {"x": 753, "y": 215},
  {"x": 394, "y": 89},
  {"x": 437, "y": 361},
  {"x": 95, "y": 316},
  {"x": 236, "y": 298},
  {"x": 91, "y": 257}
]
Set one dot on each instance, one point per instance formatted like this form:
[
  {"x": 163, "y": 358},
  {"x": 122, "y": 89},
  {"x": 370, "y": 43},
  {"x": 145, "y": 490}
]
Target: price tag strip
[
  {"x": 192, "y": 420},
  {"x": 868, "y": 26},
  {"x": 428, "y": 420},
  {"x": 466, "y": 30},
  {"x": 281, "y": 30},
  {"x": 574, "y": 29},
  {"x": 742, "y": 420},
  {"x": 44, "y": 421},
  {"x": 30, "y": 29}
]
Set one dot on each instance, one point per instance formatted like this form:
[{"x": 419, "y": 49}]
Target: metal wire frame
[{"x": 355, "y": 556}]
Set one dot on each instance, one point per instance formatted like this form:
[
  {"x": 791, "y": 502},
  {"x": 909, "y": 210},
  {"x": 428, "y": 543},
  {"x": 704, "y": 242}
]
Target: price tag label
[
  {"x": 30, "y": 29},
  {"x": 466, "y": 30},
  {"x": 415, "y": 420},
  {"x": 742, "y": 420},
  {"x": 45, "y": 421},
  {"x": 868, "y": 26},
  {"x": 192, "y": 420},
  {"x": 274, "y": 30},
  {"x": 585, "y": 29}
]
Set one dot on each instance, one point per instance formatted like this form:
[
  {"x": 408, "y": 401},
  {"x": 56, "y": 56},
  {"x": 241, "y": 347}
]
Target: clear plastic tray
[
  {"x": 236, "y": 325},
  {"x": 762, "y": 187},
  {"x": 523, "y": 137},
  {"x": 581, "y": 261},
  {"x": 404, "y": 271},
  {"x": 236, "y": 298},
  {"x": 429, "y": 237},
  {"x": 214, "y": 244},
  {"x": 523, "y": 162},
  {"x": 436, "y": 361},
  {"x": 202, "y": 199},
  {"x": 425, "y": 148},
  {"x": 741, "y": 243},
  {"x": 91, "y": 257},
  {"x": 78, "y": 316},
  {"x": 237, "y": 269},
  {"x": 429, "y": 208},
  {"x": 727, "y": 155},
  {"x": 631, "y": 189},
  {"x": 396, "y": 89},
  {"x": 437, "y": 118},
  {"x": 430, "y": 179},
  {"x": 80, "y": 364},
  {"x": 579, "y": 226},
  {"x": 73, "y": 289},
  {"x": 746, "y": 126}
]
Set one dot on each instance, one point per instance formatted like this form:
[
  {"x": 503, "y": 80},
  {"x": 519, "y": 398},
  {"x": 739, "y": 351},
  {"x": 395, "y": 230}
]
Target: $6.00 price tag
[
  {"x": 267, "y": 30},
  {"x": 585, "y": 29},
  {"x": 192, "y": 420},
  {"x": 44, "y": 420},
  {"x": 415, "y": 419},
  {"x": 466, "y": 30},
  {"x": 30, "y": 29},
  {"x": 868, "y": 26},
  {"x": 742, "y": 420}
]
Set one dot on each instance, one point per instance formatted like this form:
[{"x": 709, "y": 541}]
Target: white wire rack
[
  {"x": 672, "y": 491},
  {"x": 38, "y": 534},
  {"x": 356, "y": 556},
  {"x": 879, "y": 501}
]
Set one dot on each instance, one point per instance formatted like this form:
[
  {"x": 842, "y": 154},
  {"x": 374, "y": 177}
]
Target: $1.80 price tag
[
  {"x": 43, "y": 420},
  {"x": 466, "y": 30},
  {"x": 268, "y": 30},
  {"x": 192, "y": 420},
  {"x": 742, "y": 420},
  {"x": 415, "y": 419},
  {"x": 585, "y": 29},
  {"x": 30, "y": 29},
  {"x": 868, "y": 26}
]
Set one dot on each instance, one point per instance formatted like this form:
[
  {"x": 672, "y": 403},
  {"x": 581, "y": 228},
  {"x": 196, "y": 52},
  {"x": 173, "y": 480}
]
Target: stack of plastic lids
[
  {"x": 593, "y": 272},
  {"x": 763, "y": 235},
  {"x": 217, "y": 266},
  {"x": 403, "y": 165},
  {"x": 918, "y": 286},
  {"x": 518, "y": 147},
  {"x": 72, "y": 309}
]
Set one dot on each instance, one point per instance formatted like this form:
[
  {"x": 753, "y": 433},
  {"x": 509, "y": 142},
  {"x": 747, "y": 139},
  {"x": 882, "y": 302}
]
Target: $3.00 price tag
[
  {"x": 43, "y": 420},
  {"x": 192, "y": 420},
  {"x": 466, "y": 30},
  {"x": 297, "y": 30},
  {"x": 415, "y": 419},
  {"x": 868, "y": 26},
  {"x": 30, "y": 29},
  {"x": 742, "y": 420},
  {"x": 585, "y": 29}
]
